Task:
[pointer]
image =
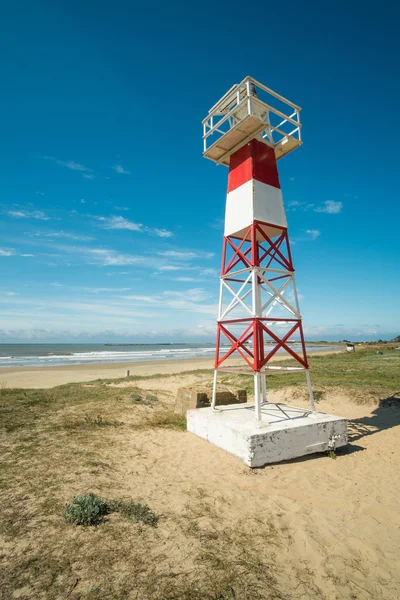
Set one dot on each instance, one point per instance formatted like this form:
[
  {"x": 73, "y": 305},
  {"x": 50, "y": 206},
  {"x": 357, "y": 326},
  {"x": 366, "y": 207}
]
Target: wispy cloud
[
  {"x": 112, "y": 257},
  {"x": 91, "y": 290},
  {"x": 331, "y": 207},
  {"x": 28, "y": 214},
  {"x": 121, "y": 169},
  {"x": 186, "y": 255},
  {"x": 74, "y": 166},
  {"x": 313, "y": 233},
  {"x": 66, "y": 235},
  {"x": 119, "y": 223},
  {"x": 12, "y": 252},
  {"x": 185, "y": 279},
  {"x": 217, "y": 224},
  {"x": 190, "y": 300},
  {"x": 164, "y": 233},
  {"x": 169, "y": 268},
  {"x": 11, "y": 293}
]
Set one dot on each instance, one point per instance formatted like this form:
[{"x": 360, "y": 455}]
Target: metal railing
[{"x": 276, "y": 119}]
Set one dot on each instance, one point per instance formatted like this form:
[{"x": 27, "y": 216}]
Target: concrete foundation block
[
  {"x": 194, "y": 397},
  {"x": 285, "y": 432}
]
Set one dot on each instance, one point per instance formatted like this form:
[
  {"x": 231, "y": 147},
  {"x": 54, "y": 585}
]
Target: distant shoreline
[{"x": 50, "y": 376}]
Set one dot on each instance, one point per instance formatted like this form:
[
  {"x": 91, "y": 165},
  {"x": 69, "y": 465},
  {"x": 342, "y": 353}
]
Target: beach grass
[{"x": 72, "y": 440}]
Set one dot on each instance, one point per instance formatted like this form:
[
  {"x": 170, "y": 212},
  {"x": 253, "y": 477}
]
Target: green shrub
[
  {"x": 90, "y": 510},
  {"x": 138, "y": 397},
  {"x": 139, "y": 513},
  {"x": 86, "y": 510}
]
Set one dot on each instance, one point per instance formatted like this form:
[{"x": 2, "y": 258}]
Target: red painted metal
[
  {"x": 256, "y": 161},
  {"x": 264, "y": 246},
  {"x": 262, "y": 252}
]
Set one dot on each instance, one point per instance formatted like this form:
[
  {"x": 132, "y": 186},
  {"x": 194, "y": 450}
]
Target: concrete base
[{"x": 284, "y": 432}]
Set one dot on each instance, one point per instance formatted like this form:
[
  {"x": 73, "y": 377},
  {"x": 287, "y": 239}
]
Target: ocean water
[{"x": 41, "y": 355}]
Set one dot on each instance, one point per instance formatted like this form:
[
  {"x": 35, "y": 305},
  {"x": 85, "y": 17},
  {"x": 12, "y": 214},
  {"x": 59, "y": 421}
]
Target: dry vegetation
[{"x": 223, "y": 532}]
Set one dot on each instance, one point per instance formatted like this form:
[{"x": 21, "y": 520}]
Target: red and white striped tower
[{"x": 259, "y": 310}]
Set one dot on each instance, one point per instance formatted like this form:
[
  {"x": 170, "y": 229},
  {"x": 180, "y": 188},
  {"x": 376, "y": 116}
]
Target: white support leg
[
  {"x": 263, "y": 389},
  {"x": 257, "y": 396},
  {"x": 310, "y": 392},
  {"x": 214, "y": 393}
]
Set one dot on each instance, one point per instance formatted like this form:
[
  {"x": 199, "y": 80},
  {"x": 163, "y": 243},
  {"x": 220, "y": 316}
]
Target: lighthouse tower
[{"x": 249, "y": 130}]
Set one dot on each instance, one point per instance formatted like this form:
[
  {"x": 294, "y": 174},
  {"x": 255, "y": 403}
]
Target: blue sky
[{"x": 111, "y": 223}]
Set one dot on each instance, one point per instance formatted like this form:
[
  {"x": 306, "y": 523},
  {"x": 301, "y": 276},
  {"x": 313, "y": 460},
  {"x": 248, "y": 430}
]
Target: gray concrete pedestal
[{"x": 284, "y": 432}]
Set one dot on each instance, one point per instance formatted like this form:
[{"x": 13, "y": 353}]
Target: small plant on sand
[
  {"x": 135, "y": 511},
  {"x": 318, "y": 395},
  {"x": 332, "y": 454},
  {"x": 90, "y": 510},
  {"x": 138, "y": 397},
  {"x": 86, "y": 510},
  {"x": 99, "y": 421}
]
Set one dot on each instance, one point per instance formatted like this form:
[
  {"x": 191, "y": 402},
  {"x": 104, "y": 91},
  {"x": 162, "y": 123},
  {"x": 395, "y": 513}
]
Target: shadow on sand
[{"x": 385, "y": 416}]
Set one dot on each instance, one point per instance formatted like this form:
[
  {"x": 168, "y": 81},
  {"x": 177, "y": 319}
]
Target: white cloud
[
  {"x": 217, "y": 224},
  {"x": 28, "y": 214},
  {"x": 66, "y": 235},
  {"x": 91, "y": 290},
  {"x": 331, "y": 207},
  {"x": 187, "y": 279},
  {"x": 120, "y": 169},
  {"x": 169, "y": 268},
  {"x": 186, "y": 300},
  {"x": 161, "y": 232},
  {"x": 11, "y": 252},
  {"x": 69, "y": 164},
  {"x": 186, "y": 255},
  {"x": 209, "y": 272},
  {"x": 88, "y": 176},
  {"x": 193, "y": 294},
  {"x": 11, "y": 293},
  {"x": 119, "y": 223},
  {"x": 112, "y": 257},
  {"x": 313, "y": 233}
]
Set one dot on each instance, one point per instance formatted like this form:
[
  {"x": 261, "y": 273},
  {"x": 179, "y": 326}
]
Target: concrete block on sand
[
  {"x": 284, "y": 432},
  {"x": 196, "y": 397}
]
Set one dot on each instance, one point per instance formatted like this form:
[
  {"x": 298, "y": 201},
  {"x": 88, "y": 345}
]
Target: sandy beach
[
  {"x": 46, "y": 377},
  {"x": 311, "y": 529}
]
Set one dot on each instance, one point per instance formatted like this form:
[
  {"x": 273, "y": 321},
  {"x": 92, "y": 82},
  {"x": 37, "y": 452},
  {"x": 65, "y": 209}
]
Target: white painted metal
[
  {"x": 268, "y": 204},
  {"x": 264, "y": 388},
  {"x": 241, "y": 115},
  {"x": 257, "y": 396},
  {"x": 214, "y": 394},
  {"x": 253, "y": 201},
  {"x": 310, "y": 392}
]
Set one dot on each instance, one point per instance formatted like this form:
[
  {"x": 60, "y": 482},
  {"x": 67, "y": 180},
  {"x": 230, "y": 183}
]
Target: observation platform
[
  {"x": 284, "y": 432},
  {"x": 251, "y": 110}
]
